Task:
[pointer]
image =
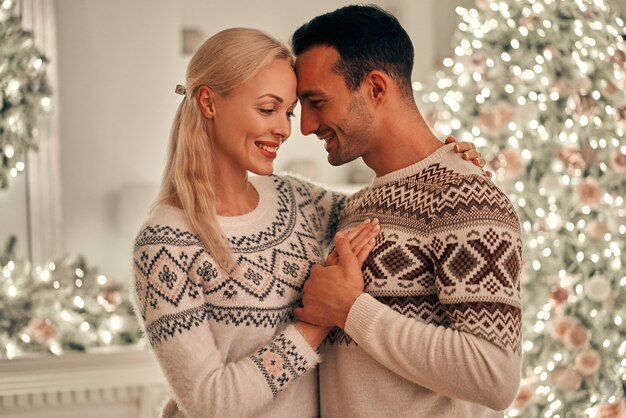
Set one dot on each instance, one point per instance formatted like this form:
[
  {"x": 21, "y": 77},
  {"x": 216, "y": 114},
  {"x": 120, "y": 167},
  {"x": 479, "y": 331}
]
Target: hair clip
[{"x": 180, "y": 90}]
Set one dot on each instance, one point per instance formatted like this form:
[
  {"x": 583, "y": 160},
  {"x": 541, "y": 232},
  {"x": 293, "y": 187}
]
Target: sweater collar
[{"x": 412, "y": 169}]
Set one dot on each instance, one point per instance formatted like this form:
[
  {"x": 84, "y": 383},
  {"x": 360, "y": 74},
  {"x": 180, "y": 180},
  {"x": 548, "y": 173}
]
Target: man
[{"x": 431, "y": 327}]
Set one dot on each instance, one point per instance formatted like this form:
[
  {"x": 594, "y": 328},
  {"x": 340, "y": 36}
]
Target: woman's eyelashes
[{"x": 269, "y": 112}]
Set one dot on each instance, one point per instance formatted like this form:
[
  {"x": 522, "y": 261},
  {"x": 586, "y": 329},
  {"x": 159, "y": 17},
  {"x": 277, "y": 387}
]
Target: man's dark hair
[{"x": 367, "y": 38}]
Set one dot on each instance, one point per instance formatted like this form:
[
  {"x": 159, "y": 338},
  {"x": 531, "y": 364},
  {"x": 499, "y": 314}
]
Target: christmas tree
[
  {"x": 539, "y": 86},
  {"x": 24, "y": 93}
]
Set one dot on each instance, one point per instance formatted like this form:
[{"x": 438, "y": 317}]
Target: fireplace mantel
[{"x": 121, "y": 383}]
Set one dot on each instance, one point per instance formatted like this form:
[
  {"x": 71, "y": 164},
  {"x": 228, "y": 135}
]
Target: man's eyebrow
[{"x": 307, "y": 94}]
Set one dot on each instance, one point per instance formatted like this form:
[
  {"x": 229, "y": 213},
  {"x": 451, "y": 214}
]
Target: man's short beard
[{"x": 356, "y": 131}]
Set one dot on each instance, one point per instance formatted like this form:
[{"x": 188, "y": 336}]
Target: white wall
[{"x": 118, "y": 63}]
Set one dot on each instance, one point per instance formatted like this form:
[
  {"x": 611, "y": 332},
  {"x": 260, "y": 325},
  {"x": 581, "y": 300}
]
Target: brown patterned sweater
[{"x": 437, "y": 333}]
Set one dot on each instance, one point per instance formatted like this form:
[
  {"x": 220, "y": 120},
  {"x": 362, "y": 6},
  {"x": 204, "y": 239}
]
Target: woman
[{"x": 221, "y": 261}]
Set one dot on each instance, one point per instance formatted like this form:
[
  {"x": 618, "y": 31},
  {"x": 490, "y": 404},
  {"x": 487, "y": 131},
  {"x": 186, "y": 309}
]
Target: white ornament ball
[
  {"x": 598, "y": 288},
  {"x": 525, "y": 113},
  {"x": 551, "y": 183}
]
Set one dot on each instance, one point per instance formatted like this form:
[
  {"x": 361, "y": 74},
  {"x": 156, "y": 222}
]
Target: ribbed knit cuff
[
  {"x": 362, "y": 317},
  {"x": 304, "y": 348}
]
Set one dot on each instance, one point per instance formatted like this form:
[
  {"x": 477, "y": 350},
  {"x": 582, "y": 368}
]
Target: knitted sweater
[
  {"x": 226, "y": 343},
  {"x": 437, "y": 333}
]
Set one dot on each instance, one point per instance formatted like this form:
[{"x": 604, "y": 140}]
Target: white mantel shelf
[{"x": 124, "y": 383}]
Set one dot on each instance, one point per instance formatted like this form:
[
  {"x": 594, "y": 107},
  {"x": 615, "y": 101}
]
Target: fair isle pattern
[
  {"x": 280, "y": 363},
  {"x": 449, "y": 253},
  {"x": 174, "y": 269},
  {"x": 287, "y": 215},
  {"x": 429, "y": 198},
  {"x": 168, "y": 325},
  {"x": 337, "y": 336}
]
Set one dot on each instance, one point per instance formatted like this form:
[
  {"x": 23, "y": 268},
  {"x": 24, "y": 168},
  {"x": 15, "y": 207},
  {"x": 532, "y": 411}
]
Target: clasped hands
[{"x": 331, "y": 290}]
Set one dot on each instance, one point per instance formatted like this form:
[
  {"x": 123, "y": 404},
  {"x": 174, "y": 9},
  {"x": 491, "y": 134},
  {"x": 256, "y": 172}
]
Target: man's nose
[{"x": 308, "y": 121}]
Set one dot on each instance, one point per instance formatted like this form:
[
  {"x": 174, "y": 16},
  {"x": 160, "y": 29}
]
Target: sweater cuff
[
  {"x": 362, "y": 317},
  {"x": 285, "y": 359},
  {"x": 310, "y": 355}
]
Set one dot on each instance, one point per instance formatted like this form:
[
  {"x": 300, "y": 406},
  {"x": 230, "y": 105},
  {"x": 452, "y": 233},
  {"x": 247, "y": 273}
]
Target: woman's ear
[{"x": 206, "y": 101}]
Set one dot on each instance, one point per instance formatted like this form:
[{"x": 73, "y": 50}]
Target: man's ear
[
  {"x": 206, "y": 101},
  {"x": 377, "y": 84}
]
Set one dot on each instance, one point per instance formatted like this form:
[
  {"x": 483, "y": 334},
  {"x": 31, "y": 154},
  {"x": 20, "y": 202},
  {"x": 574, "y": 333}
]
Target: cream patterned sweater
[
  {"x": 226, "y": 344},
  {"x": 437, "y": 333}
]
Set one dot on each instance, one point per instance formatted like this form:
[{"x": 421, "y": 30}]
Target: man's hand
[
  {"x": 469, "y": 153},
  {"x": 330, "y": 291}
]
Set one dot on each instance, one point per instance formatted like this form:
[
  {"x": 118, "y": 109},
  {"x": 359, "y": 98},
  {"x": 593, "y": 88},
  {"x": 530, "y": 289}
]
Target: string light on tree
[
  {"x": 540, "y": 86},
  {"x": 24, "y": 93},
  {"x": 62, "y": 306}
]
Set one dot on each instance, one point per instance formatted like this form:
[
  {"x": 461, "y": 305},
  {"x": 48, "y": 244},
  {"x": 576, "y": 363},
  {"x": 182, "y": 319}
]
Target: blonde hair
[{"x": 224, "y": 61}]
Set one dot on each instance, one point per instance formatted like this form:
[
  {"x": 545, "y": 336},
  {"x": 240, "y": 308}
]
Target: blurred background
[{"x": 547, "y": 110}]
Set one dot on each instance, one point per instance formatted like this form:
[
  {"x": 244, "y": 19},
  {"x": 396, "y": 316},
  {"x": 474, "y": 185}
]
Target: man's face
[{"x": 329, "y": 109}]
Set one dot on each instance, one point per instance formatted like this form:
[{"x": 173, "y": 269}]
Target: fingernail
[
  {"x": 375, "y": 221},
  {"x": 457, "y": 148},
  {"x": 466, "y": 156},
  {"x": 372, "y": 240},
  {"x": 367, "y": 220}
]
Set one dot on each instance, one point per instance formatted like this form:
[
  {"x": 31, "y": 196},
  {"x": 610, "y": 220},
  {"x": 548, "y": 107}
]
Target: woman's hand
[
  {"x": 362, "y": 240},
  {"x": 469, "y": 153},
  {"x": 313, "y": 334}
]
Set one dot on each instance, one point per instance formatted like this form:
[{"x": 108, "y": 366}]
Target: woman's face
[{"x": 251, "y": 122}]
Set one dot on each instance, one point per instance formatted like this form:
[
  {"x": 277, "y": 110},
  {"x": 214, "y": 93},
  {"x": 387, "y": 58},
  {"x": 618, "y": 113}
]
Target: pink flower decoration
[
  {"x": 41, "y": 330},
  {"x": 495, "y": 119},
  {"x": 558, "y": 295},
  {"x": 595, "y": 230},
  {"x": 573, "y": 159},
  {"x": 560, "y": 326},
  {"x": 509, "y": 164},
  {"x": 617, "y": 161},
  {"x": 587, "y": 362},
  {"x": 589, "y": 192},
  {"x": 577, "y": 337},
  {"x": 612, "y": 410},
  {"x": 525, "y": 394},
  {"x": 566, "y": 379}
]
